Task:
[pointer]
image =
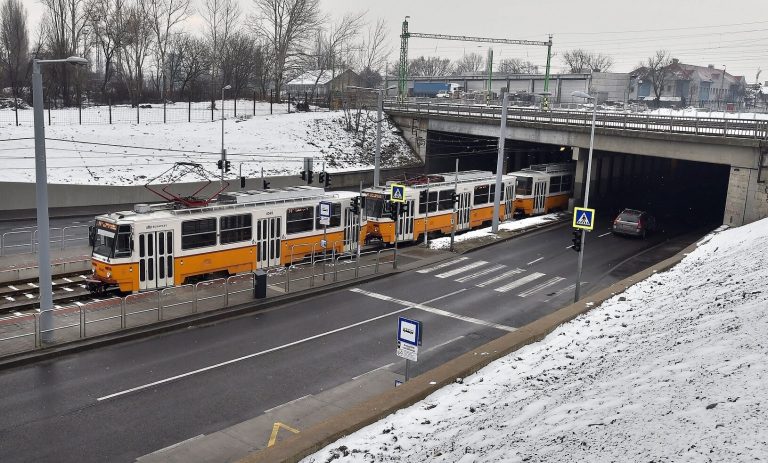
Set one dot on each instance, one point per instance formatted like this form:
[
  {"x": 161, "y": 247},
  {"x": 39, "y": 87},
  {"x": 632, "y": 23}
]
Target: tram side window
[
  {"x": 123, "y": 243},
  {"x": 555, "y": 184},
  {"x": 481, "y": 194},
  {"x": 427, "y": 204},
  {"x": 335, "y": 216},
  {"x": 299, "y": 219},
  {"x": 524, "y": 186},
  {"x": 235, "y": 228},
  {"x": 566, "y": 185},
  {"x": 198, "y": 233},
  {"x": 492, "y": 193},
  {"x": 446, "y": 200}
]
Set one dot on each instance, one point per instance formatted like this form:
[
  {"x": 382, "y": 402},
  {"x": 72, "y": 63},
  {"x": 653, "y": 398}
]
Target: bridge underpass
[{"x": 687, "y": 193}]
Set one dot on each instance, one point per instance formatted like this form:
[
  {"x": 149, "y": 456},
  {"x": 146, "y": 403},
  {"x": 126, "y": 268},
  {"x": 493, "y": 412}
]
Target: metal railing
[
  {"x": 75, "y": 322},
  {"x": 21, "y": 242},
  {"x": 698, "y": 126}
]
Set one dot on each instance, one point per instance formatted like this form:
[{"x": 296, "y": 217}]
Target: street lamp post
[
  {"x": 223, "y": 151},
  {"x": 586, "y": 189},
  {"x": 379, "y": 120},
  {"x": 41, "y": 193},
  {"x": 722, "y": 86}
]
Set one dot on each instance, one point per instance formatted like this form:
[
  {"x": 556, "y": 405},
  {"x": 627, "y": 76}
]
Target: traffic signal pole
[{"x": 455, "y": 196}]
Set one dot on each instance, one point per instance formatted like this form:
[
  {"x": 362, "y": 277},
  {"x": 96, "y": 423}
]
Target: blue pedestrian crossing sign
[
  {"x": 397, "y": 193},
  {"x": 583, "y": 218}
]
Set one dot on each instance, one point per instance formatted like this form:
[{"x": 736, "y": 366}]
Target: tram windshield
[
  {"x": 376, "y": 207},
  {"x": 111, "y": 240},
  {"x": 524, "y": 186}
]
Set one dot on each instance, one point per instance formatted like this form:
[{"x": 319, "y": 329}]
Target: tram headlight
[{"x": 109, "y": 274}]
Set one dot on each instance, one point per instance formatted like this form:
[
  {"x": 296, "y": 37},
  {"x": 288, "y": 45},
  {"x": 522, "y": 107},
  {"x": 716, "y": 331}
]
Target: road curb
[
  {"x": 298, "y": 446},
  {"x": 215, "y": 316}
]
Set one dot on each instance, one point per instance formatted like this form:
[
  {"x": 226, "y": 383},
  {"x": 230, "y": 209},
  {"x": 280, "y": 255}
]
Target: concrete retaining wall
[{"x": 18, "y": 199}]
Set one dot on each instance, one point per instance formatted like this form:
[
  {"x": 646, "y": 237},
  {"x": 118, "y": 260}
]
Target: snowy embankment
[
  {"x": 673, "y": 369},
  {"x": 133, "y": 154}
]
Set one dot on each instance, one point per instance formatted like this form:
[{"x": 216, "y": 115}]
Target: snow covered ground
[
  {"x": 129, "y": 154},
  {"x": 673, "y": 369},
  {"x": 512, "y": 225}
]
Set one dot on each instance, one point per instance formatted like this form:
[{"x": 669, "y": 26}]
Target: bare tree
[
  {"x": 432, "y": 66},
  {"x": 192, "y": 55},
  {"x": 517, "y": 66},
  {"x": 373, "y": 49},
  {"x": 472, "y": 62},
  {"x": 221, "y": 18},
  {"x": 64, "y": 22},
  {"x": 104, "y": 20},
  {"x": 135, "y": 47},
  {"x": 163, "y": 17},
  {"x": 580, "y": 60},
  {"x": 285, "y": 25},
  {"x": 242, "y": 59},
  {"x": 329, "y": 45},
  {"x": 14, "y": 44},
  {"x": 656, "y": 68}
]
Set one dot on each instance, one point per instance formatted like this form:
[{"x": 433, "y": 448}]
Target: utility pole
[
  {"x": 426, "y": 217},
  {"x": 500, "y": 165},
  {"x": 377, "y": 154},
  {"x": 454, "y": 218},
  {"x": 223, "y": 151}
]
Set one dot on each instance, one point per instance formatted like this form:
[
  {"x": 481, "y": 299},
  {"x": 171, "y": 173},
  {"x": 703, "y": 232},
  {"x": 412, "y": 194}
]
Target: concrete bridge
[{"x": 732, "y": 153}]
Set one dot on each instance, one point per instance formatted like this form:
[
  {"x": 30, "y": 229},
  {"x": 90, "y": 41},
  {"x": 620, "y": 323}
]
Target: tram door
[
  {"x": 155, "y": 260},
  {"x": 351, "y": 230},
  {"x": 268, "y": 233},
  {"x": 539, "y": 196},
  {"x": 509, "y": 201},
  {"x": 463, "y": 211},
  {"x": 405, "y": 226}
]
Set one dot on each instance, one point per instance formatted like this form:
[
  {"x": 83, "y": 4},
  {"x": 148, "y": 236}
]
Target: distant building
[
  {"x": 320, "y": 83},
  {"x": 691, "y": 85}
]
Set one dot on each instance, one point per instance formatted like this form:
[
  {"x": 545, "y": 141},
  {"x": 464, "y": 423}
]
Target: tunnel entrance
[
  {"x": 684, "y": 193},
  {"x": 479, "y": 153}
]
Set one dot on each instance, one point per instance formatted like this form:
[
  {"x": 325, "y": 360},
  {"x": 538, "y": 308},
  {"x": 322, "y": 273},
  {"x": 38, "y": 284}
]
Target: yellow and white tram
[
  {"x": 430, "y": 205},
  {"x": 543, "y": 188},
  {"x": 157, "y": 246}
]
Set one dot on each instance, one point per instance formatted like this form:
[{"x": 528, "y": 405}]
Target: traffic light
[
  {"x": 356, "y": 205},
  {"x": 242, "y": 182},
  {"x": 403, "y": 208},
  {"x": 226, "y": 166},
  {"x": 310, "y": 177},
  {"x": 264, "y": 184},
  {"x": 304, "y": 175},
  {"x": 577, "y": 240},
  {"x": 327, "y": 180},
  {"x": 219, "y": 164},
  {"x": 321, "y": 177},
  {"x": 455, "y": 198}
]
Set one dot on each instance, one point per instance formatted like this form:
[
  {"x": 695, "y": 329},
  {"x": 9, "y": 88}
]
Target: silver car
[{"x": 634, "y": 223}]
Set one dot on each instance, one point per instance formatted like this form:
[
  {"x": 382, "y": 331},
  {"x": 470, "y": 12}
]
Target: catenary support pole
[
  {"x": 586, "y": 199},
  {"x": 500, "y": 165}
]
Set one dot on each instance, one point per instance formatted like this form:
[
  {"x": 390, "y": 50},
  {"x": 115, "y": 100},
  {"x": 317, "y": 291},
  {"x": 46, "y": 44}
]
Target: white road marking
[
  {"x": 375, "y": 369},
  {"x": 568, "y": 288},
  {"x": 604, "y": 234},
  {"x": 463, "y": 269},
  {"x": 541, "y": 286},
  {"x": 434, "y": 310},
  {"x": 504, "y": 275},
  {"x": 67, "y": 280},
  {"x": 287, "y": 403},
  {"x": 443, "y": 265},
  {"x": 9, "y": 298},
  {"x": 82, "y": 286},
  {"x": 257, "y": 354},
  {"x": 276, "y": 287},
  {"x": 173, "y": 446},
  {"x": 67, "y": 289},
  {"x": 13, "y": 287},
  {"x": 519, "y": 282},
  {"x": 534, "y": 261},
  {"x": 29, "y": 296},
  {"x": 32, "y": 285},
  {"x": 482, "y": 272},
  {"x": 18, "y": 314},
  {"x": 79, "y": 304},
  {"x": 83, "y": 277},
  {"x": 569, "y": 247},
  {"x": 444, "y": 343}
]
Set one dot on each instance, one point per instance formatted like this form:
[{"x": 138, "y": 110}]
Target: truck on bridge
[{"x": 436, "y": 89}]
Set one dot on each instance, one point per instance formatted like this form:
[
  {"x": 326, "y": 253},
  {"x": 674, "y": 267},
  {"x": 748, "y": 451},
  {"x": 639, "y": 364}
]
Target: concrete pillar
[
  {"x": 606, "y": 168},
  {"x": 747, "y": 200},
  {"x": 616, "y": 173},
  {"x": 580, "y": 156}
]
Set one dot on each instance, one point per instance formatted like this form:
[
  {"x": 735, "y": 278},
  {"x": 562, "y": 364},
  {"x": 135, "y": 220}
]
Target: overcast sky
[{"x": 702, "y": 32}]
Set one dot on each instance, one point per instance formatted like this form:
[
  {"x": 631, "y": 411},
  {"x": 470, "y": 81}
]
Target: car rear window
[{"x": 629, "y": 217}]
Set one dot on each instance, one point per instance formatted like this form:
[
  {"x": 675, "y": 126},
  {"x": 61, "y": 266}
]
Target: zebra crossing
[{"x": 498, "y": 277}]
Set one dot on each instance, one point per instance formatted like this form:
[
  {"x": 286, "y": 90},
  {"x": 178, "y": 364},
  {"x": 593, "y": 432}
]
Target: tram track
[{"x": 24, "y": 295}]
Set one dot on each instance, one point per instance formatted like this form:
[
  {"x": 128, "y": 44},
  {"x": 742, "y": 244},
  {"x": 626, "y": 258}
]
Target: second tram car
[
  {"x": 430, "y": 201},
  {"x": 157, "y": 246},
  {"x": 543, "y": 188}
]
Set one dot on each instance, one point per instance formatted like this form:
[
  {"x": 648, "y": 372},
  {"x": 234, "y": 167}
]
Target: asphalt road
[{"x": 120, "y": 402}]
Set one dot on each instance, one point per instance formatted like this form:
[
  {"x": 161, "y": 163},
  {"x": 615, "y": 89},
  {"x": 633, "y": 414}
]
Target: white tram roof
[
  {"x": 449, "y": 178},
  {"x": 546, "y": 169},
  {"x": 251, "y": 199}
]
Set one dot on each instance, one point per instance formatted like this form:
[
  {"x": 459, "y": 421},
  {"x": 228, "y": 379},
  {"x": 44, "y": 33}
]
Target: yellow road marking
[{"x": 276, "y": 429}]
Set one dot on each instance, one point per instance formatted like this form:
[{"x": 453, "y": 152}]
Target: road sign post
[
  {"x": 583, "y": 219},
  {"x": 396, "y": 197},
  {"x": 325, "y": 220},
  {"x": 408, "y": 340}
]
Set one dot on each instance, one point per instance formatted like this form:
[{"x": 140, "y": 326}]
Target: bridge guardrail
[{"x": 700, "y": 126}]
